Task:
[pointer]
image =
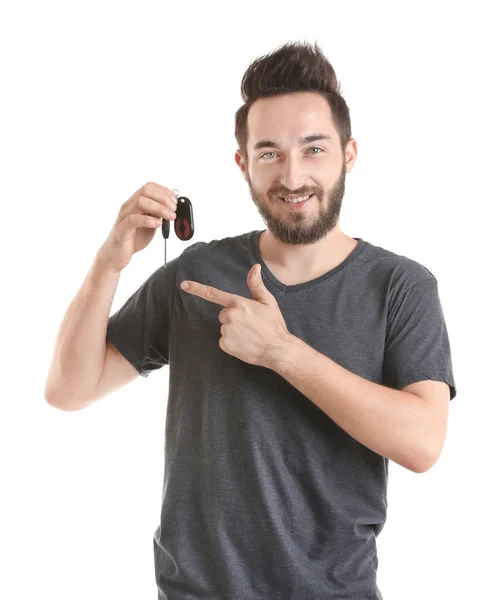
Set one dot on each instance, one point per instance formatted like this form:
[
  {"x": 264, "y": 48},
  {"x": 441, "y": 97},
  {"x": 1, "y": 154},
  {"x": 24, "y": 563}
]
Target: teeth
[{"x": 297, "y": 199}]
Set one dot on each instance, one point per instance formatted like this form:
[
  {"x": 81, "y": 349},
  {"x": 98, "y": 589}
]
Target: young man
[{"x": 301, "y": 361}]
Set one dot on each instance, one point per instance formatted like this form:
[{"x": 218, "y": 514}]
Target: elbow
[
  {"x": 64, "y": 405},
  {"x": 421, "y": 468},
  {"x": 56, "y": 397},
  {"x": 426, "y": 461}
]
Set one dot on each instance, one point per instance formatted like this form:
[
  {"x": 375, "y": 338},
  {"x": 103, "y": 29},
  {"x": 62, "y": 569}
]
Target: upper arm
[
  {"x": 417, "y": 346},
  {"x": 116, "y": 373},
  {"x": 141, "y": 328}
]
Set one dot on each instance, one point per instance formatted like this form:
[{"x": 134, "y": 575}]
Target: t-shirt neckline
[{"x": 301, "y": 286}]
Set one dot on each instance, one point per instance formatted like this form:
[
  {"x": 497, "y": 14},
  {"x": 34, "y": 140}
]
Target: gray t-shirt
[{"x": 264, "y": 496}]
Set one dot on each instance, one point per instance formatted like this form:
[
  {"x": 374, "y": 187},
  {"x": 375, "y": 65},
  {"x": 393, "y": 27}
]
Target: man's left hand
[{"x": 252, "y": 330}]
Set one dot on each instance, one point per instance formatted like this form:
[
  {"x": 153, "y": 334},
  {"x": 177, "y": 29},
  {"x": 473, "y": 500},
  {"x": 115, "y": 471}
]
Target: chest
[{"x": 345, "y": 324}]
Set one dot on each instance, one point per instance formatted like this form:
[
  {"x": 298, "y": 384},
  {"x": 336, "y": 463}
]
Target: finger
[
  {"x": 158, "y": 192},
  {"x": 207, "y": 292},
  {"x": 153, "y": 191},
  {"x": 159, "y": 209},
  {"x": 135, "y": 221},
  {"x": 148, "y": 207}
]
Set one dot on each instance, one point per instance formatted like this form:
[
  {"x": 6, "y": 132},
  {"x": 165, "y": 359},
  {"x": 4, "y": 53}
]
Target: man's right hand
[{"x": 135, "y": 225}]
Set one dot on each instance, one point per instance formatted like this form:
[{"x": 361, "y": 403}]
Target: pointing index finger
[{"x": 207, "y": 292}]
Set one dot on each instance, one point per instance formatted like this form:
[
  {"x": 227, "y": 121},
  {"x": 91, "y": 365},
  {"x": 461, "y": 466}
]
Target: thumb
[{"x": 256, "y": 285}]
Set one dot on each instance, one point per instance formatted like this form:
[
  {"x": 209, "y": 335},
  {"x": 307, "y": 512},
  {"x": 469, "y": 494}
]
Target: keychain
[{"x": 184, "y": 221}]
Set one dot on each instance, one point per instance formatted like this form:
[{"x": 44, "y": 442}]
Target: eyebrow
[{"x": 304, "y": 140}]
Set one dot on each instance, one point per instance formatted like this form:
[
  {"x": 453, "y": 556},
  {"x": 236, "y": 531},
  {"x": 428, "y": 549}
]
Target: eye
[{"x": 313, "y": 148}]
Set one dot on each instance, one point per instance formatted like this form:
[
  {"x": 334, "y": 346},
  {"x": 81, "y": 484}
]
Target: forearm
[
  {"x": 390, "y": 422},
  {"x": 80, "y": 346}
]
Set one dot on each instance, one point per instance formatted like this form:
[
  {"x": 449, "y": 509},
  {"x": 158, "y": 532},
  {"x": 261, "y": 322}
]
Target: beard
[{"x": 299, "y": 227}]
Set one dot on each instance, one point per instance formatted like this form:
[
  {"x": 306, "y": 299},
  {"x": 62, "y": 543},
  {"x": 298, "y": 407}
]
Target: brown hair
[{"x": 293, "y": 67}]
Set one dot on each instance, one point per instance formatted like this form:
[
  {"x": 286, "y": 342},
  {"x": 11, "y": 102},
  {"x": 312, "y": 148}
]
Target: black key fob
[{"x": 184, "y": 221}]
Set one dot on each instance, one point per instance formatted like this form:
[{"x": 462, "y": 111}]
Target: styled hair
[{"x": 293, "y": 67}]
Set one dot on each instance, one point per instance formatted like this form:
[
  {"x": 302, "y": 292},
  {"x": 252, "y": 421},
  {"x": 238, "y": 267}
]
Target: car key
[{"x": 184, "y": 221}]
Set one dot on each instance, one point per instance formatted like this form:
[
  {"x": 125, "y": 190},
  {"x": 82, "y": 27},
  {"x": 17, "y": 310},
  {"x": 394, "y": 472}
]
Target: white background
[{"x": 99, "y": 98}]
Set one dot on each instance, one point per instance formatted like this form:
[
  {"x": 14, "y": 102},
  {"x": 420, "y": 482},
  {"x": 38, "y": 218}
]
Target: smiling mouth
[{"x": 296, "y": 200}]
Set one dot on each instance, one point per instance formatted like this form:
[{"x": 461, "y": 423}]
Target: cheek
[{"x": 262, "y": 180}]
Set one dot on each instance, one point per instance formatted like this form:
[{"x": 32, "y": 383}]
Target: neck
[{"x": 324, "y": 254}]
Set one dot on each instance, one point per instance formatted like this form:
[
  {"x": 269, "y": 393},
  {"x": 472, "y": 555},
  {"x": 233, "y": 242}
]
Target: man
[{"x": 301, "y": 361}]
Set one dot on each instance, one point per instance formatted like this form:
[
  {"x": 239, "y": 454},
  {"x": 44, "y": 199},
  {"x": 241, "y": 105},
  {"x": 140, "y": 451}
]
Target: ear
[
  {"x": 351, "y": 152},
  {"x": 241, "y": 163}
]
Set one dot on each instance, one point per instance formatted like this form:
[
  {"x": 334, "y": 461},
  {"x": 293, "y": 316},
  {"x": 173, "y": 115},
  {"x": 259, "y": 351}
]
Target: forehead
[{"x": 290, "y": 116}]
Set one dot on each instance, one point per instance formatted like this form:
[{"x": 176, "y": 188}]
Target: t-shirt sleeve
[
  {"x": 140, "y": 329},
  {"x": 417, "y": 343}
]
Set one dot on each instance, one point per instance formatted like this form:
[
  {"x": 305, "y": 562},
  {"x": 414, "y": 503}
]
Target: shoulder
[
  {"x": 223, "y": 263},
  {"x": 226, "y": 249},
  {"x": 397, "y": 271}
]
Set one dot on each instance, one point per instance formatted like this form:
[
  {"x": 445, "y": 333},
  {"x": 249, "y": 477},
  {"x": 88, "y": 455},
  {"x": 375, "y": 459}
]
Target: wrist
[
  {"x": 282, "y": 358},
  {"x": 100, "y": 271}
]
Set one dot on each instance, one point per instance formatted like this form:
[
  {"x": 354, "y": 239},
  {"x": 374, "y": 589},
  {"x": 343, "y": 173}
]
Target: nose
[{"x": 291, "y": 175}]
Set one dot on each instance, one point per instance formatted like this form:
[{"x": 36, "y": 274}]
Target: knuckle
[
  {"x": 147, "y": 188},
  {"x": 144, "y": 202}
]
